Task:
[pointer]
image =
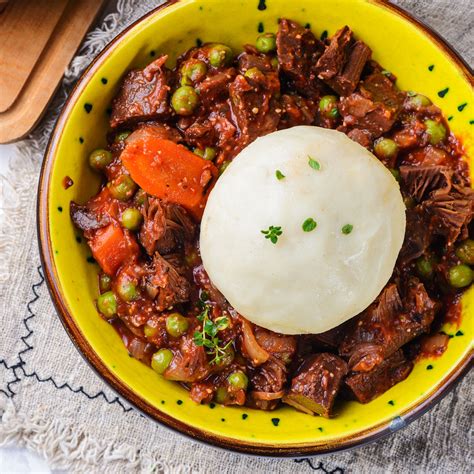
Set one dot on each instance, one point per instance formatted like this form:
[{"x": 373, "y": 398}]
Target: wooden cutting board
[{"x": 37, "y": 41}]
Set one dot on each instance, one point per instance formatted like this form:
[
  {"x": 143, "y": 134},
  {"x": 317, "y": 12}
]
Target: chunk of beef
[
  {"x": 154, "y": 130},
  {"x": 164, "y": 283},
  {"x": 342, "y": 63},
  {"x": 375, "y": 108},
  {"x": 254, "y": 106},
  {"x": 165, "y": 226},
  {"x": 296, "y": 110},
  {"x": 317, "y": 384},
  {"x": 331, "y": 62},
  {"x": 250, "y": 58},
  {"x": 215, "y": 87},
  {"x": 387, "y": 325},
  {"x": 362, "y": 137},
  {"x": 450, "y": 212},
  {"x": 201, "y": 279},
  {"x": 365, "y": 386},
  {"x": 417, "y": 236},
  {"x": 87, "y": 219},
  {"x": 298, "y": 51},
  {"x": 201, "y": 133},
  {"x": 281, "y": 346},
  {"x": 143, "y": 95},
  {"x": 267, "y": 383},
  {"x": 419, "y": 181},
  {"x": 189, "y": 363}
]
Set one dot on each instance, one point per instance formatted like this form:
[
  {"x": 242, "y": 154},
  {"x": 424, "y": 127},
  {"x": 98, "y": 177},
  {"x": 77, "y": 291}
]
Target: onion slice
[{"x": 250, "y": 346}]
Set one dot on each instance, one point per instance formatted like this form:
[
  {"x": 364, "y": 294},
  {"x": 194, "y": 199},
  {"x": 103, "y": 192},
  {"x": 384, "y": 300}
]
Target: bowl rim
[{"x": 363, "y": 437}]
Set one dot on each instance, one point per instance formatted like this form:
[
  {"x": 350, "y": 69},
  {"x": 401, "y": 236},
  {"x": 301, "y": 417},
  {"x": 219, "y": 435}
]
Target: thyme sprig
[{"x": 208, "y": 338}]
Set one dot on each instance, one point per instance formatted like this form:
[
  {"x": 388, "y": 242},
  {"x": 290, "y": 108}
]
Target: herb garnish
[
  {"x": 208, "y": 336},
  {"x": 279, "y": 174},
  {"x": 314, "y": 164},
  {"x": 272, "y": 233},
  {"x": 347, "y": 229},
  {"x": 309, "y": 224}
]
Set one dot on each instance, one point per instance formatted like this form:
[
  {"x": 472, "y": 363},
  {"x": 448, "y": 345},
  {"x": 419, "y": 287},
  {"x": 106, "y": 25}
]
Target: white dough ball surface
[{"x": 307, "y": 282}]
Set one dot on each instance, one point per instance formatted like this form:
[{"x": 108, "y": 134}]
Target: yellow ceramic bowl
[{"x": 420, "y": 60}]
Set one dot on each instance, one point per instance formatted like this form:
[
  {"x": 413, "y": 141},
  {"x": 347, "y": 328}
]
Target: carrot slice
[
  {"x": 112, "y": 246},
  {"x": 169, "y": 171}
]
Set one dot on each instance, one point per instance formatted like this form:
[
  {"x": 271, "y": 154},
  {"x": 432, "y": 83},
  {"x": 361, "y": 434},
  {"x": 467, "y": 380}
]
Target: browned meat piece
[
  {"x": 375, "y": 108},
  {"x": 362, "y": 137},
  {"x": 296, "y": 110},
  {"x": 250, "y": 58},
  {"x": 419, "y": 181},
  {"x": 165, "y": 227},
  {"x": 201, "y": 133},
  {"x": 298, "y": 51},
  {"x": 365, "y": 386},
  {"x": 346, "y": 81},
  {"x": 201, "y": 278},
  {"x": 143, "y": 95},
  {"x": 278, "y": 345},
  {"x": 387, "y": 325},
  {"x": 331, "y": 62},
  {"x": 317, "y": 384},
  {"x": 417, "y": 236},
  {"x": 450, "y": 212},
  {"x": 254, "y": 106},
  {"x": 189, "y": 363},
  {"x": 86, "y": 219},
  {"x": 215, "y": 87},
  {"x": 341, "y": 64},
  {"x": 154, "y": 130},
  {"x": 164, "y": 284},
  {"x": 267, "y": 383}
]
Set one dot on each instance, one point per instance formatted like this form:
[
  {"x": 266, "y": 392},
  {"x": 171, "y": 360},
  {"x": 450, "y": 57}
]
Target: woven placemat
[{"x": 54, "y": 404}]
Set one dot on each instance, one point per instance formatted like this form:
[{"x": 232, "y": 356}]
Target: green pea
[
  {"x": 184, "y": 100},
  {"x": 328, "y": 106},
  {"x": 460, "y": 276},
  {"x": 223, "y": 167},
  {"x": 266, "y": 43},
  {"x": 220, "y": 55},
  {"x": 107, "y": 304},
  {"x": 192, "y": 71},
  {"x": 140, "y": 197},
  {"x": 99, "y": 159},
  {"x": 208, "y": 153},
  {"x": 274, "y": 62},
  {"x": 395, "y": 173},
  {"x": 105, "y": 282},
  {"x": 127, "y": 291},
  {"x": 238, "y": 380},
  {"x": 149, "y": 331},
  {"x": 176, "y": 324},
  {"x": 436, "y": 131},
  {"x": 409, "y": 202},
  {"x": 161, "y": 360},
  {"x": 131, "y": 218},
  {"x": 419, "y": 100},
  {"x": 385, "y": 148},
  {"x": 121, "y": 136},
  {"x": 254, "y": 73},
  {"x": 221, "y": 395},
  {"x": 465, "y": 252},
  {"x": 424, "y": 267},
  {"x": 122, "y": 188}
]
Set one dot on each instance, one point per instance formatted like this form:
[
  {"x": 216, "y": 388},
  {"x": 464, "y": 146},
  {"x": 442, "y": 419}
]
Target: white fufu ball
[{"x": 308, "y": 281}]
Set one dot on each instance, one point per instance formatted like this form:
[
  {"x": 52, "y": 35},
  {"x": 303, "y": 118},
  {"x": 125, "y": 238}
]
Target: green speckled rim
[{"x": 81, "y": 343}]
